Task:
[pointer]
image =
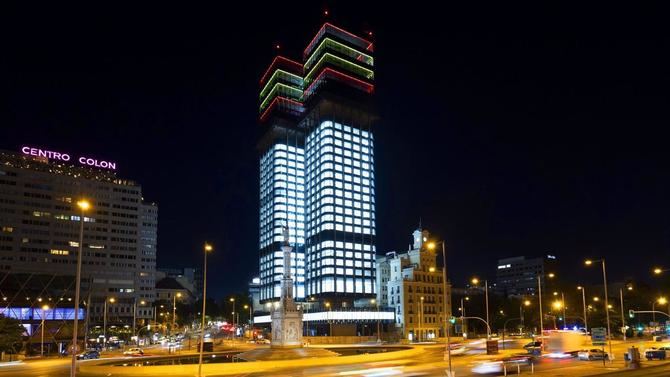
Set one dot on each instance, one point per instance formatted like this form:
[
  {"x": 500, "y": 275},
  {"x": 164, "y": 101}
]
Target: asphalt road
[{"x": 428, "y": 363}]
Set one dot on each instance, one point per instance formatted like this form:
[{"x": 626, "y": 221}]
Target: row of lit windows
[
  {"x": 346, "y": 161},
  {"x": 340, "y": 262},
  {"x": 316, "y": 155},
  {"x": 340, "y": 271},
  {"x": 354, "y": 159},
  {"x": 341, "y": 228},
  {"x": 326, "y": 140},
  {"x": 339, "y": 209},
  {"x": 345, "y": 220},
  {"x": 330, "y": 124},
  {"x": 347, "y": 245},
  {"x": 343, "y": 136},
  {"x": 341, "y": 285},
  {"x": 286, "y": 178}
]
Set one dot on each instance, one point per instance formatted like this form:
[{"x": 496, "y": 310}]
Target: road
[{"x": 428, "y": 362}]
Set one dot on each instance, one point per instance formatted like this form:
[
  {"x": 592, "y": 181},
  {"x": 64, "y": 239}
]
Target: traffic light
[
  {"x": 452, "y": 320},
  {"x": 631, "y": 313}
]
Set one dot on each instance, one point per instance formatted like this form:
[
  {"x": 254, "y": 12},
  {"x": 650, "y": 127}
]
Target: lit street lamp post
[
  {"x": 104, "y": 321},
  {"x": 232, "y": 299},
  {"x": 447, "y": 328},
  {"x": 586, "y": 326},
  {"x": 623, "y": 318},
  {"x": 330, "y": 322},
  {"x": 174, "y": 309},
  {"x": 44, "y": 309},
  {"x": 421, "y": 321},
  {"x": 135, "y": 318},
  {"x": 379, "y": 337},
  {"x": 565, "y": 324},
  {"x": 475, "y": 281},
  {"x": 661, "y": 301},
  {"x": 463, "y": 332},
  {"x": 208, "y": 248},
  {"x": 607, "y": 311},
  {"x": 83, "y": 206}
]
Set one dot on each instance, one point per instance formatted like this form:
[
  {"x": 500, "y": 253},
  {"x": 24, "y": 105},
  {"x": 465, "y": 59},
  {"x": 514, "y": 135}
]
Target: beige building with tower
[{"x": 415, "y": 290}]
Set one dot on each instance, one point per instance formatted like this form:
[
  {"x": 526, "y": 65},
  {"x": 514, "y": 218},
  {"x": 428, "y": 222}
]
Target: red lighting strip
[
  {"x": 311, "y": 44},
  {"x": 274, "y": 61},
  {"x": 367, "y": 85},
  {"x": 274, "y": 102}
]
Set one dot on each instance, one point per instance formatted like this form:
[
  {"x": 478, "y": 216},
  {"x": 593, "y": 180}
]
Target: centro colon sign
[{"x": 30, "y": 151}]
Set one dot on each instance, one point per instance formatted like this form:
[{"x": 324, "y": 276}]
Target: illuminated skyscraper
[{"x": 317, "y": 168}]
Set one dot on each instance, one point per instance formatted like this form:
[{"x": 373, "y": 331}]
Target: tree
[{"x": 11, "y": 334}]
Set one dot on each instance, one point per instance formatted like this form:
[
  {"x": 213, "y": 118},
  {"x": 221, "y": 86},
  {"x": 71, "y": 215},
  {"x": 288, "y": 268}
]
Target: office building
[
  {"x": 39, "y": 236},
  {"x": 317, "y": 170},
  {"x": 518, "y": 276}
]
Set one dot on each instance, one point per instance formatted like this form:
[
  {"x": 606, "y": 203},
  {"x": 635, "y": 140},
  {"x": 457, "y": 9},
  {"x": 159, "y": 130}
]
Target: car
[
  {"x": 659, "y": 353},
  {"x": 519, "y": 358},
  {"x": 531, "y": 345},
  {"x": 90, "y": 354},
  {"x": 498, "y": 366},
  {"x": 592, "y": 354},
  {"x": 457, "y": 349},
  {"x": 488, "y": 367},
  {"x": 133, "y": 352}
]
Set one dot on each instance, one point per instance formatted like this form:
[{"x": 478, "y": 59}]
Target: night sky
[{"x": 509, "y": 129}]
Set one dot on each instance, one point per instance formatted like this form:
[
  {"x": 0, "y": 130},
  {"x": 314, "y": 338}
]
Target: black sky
[{"x": 508, "y": 129}]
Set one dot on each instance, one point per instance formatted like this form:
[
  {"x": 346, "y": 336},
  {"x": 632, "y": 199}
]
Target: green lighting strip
[
  {"x": 288, "y": 75},
  {"x": 291, "y": 91},
  {"x": 351, "y": 52},
  {"x": 369, "y": 74}
]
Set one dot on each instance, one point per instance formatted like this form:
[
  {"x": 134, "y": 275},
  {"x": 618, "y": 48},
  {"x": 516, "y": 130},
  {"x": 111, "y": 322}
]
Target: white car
[
  {"x": 133, "y": 352},
  {"x": 592, "y": 354},
  {"x": 487, "y": 367}
]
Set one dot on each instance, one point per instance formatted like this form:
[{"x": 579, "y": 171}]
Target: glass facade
[
  {"x": 317, "y": 168},
  {"x": 282, "y": 200},
  {"x": 340, "y": 210}
]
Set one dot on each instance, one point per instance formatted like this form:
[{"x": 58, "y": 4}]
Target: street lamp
[
  {"x": 104, "y": 321},
  {"x": 421, "y": 320},
  {"x": 589, "y": 262},
  {"x": 83, "y": 205},
  {"x": 44, "y": 309},
  {"x": 525, "y": 303},
  {"x": 475, "y": 281},
  {"x": 330, "y": 322},
  {"x": 232, "y": 299},
  {"x": 447, "y": 328},
  {"x": 174, "y": 308},
  {"x": 623, "y": 318},
  {"x": 135, "y": 317},
  {"x": 379, "y": 337},
  {"x": 586, "y": 327},
  {"x": 208, "y": 248},
  {"x": 658, "y": 270},
  {"x": 463, "y": 332},
  {"x": 660, "y": 301}
]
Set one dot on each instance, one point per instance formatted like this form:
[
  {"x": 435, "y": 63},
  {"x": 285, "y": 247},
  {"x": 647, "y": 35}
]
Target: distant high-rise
[
  {"x": 518, "y": 276},
  {"x": 317, "y": 169}
]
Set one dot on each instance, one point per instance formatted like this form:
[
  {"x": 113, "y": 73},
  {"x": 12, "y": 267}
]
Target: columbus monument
[
  {"x": 286, "y": 323},
  {"x": 287, "y": 317}
]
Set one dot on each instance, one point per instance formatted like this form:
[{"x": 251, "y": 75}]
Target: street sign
[
  {"x": 598, "y": 336},
  {"x": 74, "y": 348},
  {"x": 491, "y": 347}
]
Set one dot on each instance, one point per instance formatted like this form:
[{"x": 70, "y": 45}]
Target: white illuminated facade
[
  {"x": 337, "y": 316},
  {"x": 282, "y": 198},
  {"x": 340, "y": 203}
]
